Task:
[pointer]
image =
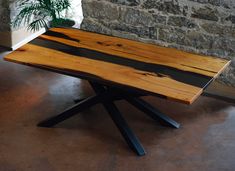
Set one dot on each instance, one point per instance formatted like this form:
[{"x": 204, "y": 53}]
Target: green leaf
[{"x": 39, "y": 13}]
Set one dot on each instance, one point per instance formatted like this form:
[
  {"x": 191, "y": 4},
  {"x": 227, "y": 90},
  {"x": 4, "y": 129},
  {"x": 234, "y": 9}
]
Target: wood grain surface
[{"x": 148, "y": 68}]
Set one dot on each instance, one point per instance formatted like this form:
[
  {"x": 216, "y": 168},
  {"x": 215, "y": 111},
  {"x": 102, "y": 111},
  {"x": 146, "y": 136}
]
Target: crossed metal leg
[
  {"x": 107, "y": 96},
  {"x": 75, "y": 109}
]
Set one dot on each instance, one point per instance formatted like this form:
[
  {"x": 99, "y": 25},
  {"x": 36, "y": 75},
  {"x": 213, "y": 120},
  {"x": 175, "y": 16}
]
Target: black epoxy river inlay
[{"x": 159, "y": 70}]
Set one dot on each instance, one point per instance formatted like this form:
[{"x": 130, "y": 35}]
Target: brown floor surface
[{"x": 90, "y": 141}]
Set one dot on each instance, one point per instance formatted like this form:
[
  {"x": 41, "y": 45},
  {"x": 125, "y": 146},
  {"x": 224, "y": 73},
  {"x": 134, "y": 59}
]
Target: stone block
[
  {"x": 229, "y": 4},
  {"x": 100, "y": 10},
  {"x": 172, "y": 35},
  {"x": 172, "y": 7},
  {"x": 225, "y": 44},
  {"x": 92, "y": 25},
  {"x": 127, "y": 2},
  {"x": 219, "y": 29},
  {"x": 138, "y": 30},
  {"x": 231, "y": 18},
  {"x": 181, "y": 21},
  {"x": 206, "y": 13},
  {"x": 136, "y": 17},
  {"x": 160, "y": 19},
  {"x": 198, "y": 40}
]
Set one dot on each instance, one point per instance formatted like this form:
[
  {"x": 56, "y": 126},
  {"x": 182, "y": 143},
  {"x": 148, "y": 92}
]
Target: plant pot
[{"x": 62, "y": 22}]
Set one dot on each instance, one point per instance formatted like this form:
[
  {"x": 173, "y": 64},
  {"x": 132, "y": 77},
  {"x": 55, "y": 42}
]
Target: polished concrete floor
[{"x": 90, "y": 141}]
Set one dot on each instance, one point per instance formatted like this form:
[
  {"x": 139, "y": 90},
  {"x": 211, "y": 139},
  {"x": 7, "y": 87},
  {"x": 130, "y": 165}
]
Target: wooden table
[{"x": 120, "y": 69}]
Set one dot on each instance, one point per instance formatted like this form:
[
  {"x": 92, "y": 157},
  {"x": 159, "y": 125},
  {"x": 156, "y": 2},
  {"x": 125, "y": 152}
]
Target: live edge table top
[{"x": 148, "y": 68}]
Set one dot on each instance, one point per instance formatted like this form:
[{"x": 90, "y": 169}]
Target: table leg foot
[
  {"x": 123, "y": 127},
  {"x": 78, "y": 100},
  {"x": 75, "y": 109},
  {"x": 152, "y": 111}
]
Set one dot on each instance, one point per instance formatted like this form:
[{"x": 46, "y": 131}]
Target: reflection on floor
[
  {"x": 220, "y": 91},
  {"x": 90, "y": 141}
]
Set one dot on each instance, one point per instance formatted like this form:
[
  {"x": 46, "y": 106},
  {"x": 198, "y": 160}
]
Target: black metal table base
[{"x": 107, "y": 96}]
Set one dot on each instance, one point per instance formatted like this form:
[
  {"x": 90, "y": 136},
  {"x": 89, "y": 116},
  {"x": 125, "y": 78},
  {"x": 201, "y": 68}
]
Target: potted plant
[{"x": 37, "y": 14}]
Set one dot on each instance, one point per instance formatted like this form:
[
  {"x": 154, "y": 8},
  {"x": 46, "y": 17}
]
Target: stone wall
[
  {"x": 8, "y": 11},
  {"x": 5, "y": 18},
  {"x": 199, "y": 26},
  {"x": 4, "y": 15}
]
